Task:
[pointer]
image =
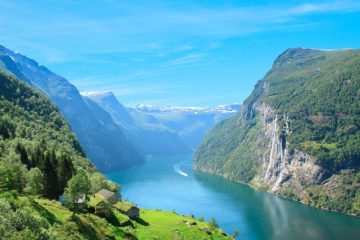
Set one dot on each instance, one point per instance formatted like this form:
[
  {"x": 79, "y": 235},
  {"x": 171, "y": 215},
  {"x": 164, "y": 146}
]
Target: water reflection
[
  {"x": 256, "y": 214},
  {"x": 272, "y": 217}
]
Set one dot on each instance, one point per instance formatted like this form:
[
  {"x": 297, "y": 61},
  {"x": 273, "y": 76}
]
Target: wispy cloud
[
  {"x": 138, "y": 47},
  {"x": 187, "y": 59},
  {"x": 336, "y": 6},
  {"x": 148, "y": 90},
  {"x": 203, "y": 101},
  {"x": 143, "y": 29}
]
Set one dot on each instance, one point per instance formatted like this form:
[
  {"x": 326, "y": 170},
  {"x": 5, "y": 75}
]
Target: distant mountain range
[
  {"x": 191, "y": 123},
  {"x": 158, "y": 130},
  {"x": 221, "y": 109}
]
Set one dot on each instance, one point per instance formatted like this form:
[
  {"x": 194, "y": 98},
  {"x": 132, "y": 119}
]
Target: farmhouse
[
  {"x": 111, "y": 197},
  {"x": 103, "y": 201},
  {"x": 128, "y": 209}
]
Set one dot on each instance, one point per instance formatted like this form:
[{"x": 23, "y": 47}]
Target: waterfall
[
  {"x": 281, "y": 166},
  {"x": 272, "y": 150}
]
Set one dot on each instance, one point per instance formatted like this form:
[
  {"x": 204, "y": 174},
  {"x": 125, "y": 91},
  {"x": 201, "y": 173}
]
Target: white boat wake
[{"x": 179, "y": 171}]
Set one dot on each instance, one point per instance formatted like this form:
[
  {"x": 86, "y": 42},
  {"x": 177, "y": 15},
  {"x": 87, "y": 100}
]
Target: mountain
[
  {"x": 104, "y": 143},
  {"x": 40, "y": 156},
  {"x": 191, "y": 123},
  {"x": 33, "y": 133},
  {"x": 162, "y": 130},
  {"x": 149, "y": 139},
  {"x": 297, "y": 134},
  {"x": 109, "y": 102}
]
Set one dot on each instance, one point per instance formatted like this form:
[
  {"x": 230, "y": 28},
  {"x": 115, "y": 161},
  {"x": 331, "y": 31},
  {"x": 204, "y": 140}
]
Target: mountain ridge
[
  {"x": 297, "y": 134},
  {"x": 164, "y": 129},
  {"x": 108, "y": 148},
  {"x": 148, "y": 139}
]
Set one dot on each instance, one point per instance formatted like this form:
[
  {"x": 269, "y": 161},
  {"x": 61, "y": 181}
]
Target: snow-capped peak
[
  {"x": 96, "y": 94},
  {"x": 226, "y": 108}
]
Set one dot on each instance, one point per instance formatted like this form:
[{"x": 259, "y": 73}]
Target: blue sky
[{"x": 182, "y": 52}]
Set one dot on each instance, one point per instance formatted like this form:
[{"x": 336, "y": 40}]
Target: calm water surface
[{"x": 169, "y": 183}]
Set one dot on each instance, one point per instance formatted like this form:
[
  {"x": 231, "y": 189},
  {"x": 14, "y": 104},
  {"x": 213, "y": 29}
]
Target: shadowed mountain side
[
  {"x": 106, "y": 145},
  {"x": 148, "y": 139}
]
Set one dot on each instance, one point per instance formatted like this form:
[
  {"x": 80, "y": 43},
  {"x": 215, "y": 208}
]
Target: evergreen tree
[
  {"x": 51, "y": 179},
  {"x": 20, "y": 149}
]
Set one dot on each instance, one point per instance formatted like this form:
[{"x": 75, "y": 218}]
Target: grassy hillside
[
  {"x": 45, "y": 219},
  {"x": 40, "y": 157},
  {"x": 314, "y": 98}
]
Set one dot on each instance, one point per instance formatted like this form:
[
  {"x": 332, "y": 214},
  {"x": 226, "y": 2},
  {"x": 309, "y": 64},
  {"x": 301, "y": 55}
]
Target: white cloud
[
  {"x": 188, "y": 59},
  {"x": 143, "y": 29},
  {"x": 336, "y": 6},
  {"x": 182, "y": 38},
  {"x": 189, "y": 101},
  {"x": 148, "y": 90}
]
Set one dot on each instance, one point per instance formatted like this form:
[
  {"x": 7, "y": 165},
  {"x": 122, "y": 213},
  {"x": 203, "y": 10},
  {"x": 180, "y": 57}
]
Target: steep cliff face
[
  {"x": 282, "y": 167},
  {"x": 297, "y": 135}
]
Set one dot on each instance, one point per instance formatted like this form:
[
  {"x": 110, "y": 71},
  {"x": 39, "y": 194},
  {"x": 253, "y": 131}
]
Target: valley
[
  {"x": 269, "y": 149},
  {"x": 180, "y": 120},
  {"x": 48, "y": 185}
]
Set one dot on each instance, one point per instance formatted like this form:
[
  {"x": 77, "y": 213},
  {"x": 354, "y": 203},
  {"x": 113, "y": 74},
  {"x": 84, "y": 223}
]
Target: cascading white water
[
  {"x": 280, "y": 169},
  {"x": 283, "y": 152},
  {"x": 273, "y": 143}
]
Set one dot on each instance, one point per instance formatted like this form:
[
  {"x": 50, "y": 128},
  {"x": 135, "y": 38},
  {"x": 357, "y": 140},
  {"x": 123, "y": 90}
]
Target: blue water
[{"x": 169, "y": 183}]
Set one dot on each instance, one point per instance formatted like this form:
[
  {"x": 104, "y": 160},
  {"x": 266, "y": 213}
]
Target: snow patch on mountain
[
  {"x": 96, "y": 94},
  {"x": 226, "y": 108},
  {"x": 148, "y": 108}
]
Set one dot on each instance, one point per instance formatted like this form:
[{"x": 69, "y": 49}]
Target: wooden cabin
[{"x": 128, "y": 209}]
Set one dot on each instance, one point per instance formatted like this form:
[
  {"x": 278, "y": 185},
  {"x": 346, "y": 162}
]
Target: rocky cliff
[{"x": 297, "y": 134}]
